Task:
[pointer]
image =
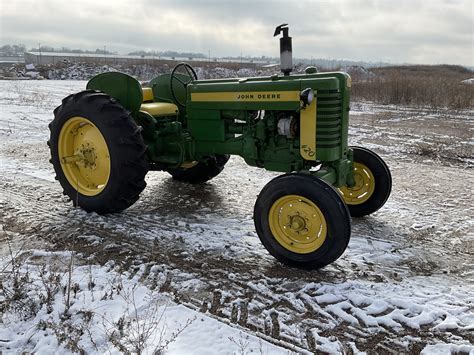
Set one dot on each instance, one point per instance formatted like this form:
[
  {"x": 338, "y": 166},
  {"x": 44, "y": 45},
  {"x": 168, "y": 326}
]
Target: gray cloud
[{"x": 416, "y": 31}]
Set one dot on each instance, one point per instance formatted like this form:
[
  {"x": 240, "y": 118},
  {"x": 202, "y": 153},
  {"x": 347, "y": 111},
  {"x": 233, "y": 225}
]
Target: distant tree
[
  {"x": 143, "y": 53},
  {"x": 182, "y": 54},
  {"x": 47, "y": 49},
  {"x": 6, "y": 49},
  {"x": 100, "y": 51},
  {"x": 13, "y": 50}
]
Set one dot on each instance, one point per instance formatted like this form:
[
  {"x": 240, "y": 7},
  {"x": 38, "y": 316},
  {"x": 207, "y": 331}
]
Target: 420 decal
[{"x": 309, "y": 152}]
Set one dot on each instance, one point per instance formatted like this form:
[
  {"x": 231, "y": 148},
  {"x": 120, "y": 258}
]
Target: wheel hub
[
  {"x": 363, "y": 188},
  {"x": 297, "y": 223},
  {"x": 87, "y": 151}
]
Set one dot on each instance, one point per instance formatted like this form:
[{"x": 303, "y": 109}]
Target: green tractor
[{"x": 105, "y": 139}]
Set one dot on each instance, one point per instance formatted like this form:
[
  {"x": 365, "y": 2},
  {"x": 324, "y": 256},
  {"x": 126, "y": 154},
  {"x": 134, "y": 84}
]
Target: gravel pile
[{"x": 85, "y": 71}]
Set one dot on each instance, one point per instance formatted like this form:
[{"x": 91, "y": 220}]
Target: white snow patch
[
  {"x": 447, "y": 349},
  {"x": 114, "y": 297}
]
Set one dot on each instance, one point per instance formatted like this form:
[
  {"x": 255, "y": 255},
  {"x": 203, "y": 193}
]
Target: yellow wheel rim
[
  {"x": 364, "y": 186},
  {"x": 84, "y": 156},
  {"x": 297, "y": 224}
]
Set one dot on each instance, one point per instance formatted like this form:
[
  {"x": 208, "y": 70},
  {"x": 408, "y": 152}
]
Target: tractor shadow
[{"x": 170, "y": 197}]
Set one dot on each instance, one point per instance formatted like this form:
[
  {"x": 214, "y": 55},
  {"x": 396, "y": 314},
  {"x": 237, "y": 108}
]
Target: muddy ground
[{"x": 405, "y": 281}]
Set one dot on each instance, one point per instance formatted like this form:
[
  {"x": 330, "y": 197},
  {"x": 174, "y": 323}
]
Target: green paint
[
  {"x": 121, "y": 87},
  {"x": 231, "y": 126}
]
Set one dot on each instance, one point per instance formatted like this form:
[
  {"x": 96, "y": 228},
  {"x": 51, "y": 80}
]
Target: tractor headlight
[{"x": 307, "y": 96}]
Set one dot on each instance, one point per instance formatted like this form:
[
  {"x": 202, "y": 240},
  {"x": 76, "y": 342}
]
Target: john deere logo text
[
  {"x": 249, "y": 96},
  {"x": 262, "y": 96}
]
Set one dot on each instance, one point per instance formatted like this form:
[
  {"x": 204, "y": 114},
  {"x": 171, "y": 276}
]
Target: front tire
[
  {"x": 373, "y": 184},
  {"x": 97, "y": 152},
  {"x": 302, "y": 221}
]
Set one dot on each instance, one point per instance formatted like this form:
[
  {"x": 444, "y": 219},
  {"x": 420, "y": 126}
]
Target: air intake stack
[{"x": 286, "y": 60}]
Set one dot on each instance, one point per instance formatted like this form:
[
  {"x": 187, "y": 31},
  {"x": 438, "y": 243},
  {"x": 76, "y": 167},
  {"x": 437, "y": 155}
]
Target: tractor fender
[{"x": 122, "y": 87}]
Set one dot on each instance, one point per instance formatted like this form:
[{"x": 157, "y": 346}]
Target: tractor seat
[{"x": 157, "y": 109}]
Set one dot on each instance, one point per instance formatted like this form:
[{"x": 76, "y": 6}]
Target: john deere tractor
[{"x": 105, "y": 139}]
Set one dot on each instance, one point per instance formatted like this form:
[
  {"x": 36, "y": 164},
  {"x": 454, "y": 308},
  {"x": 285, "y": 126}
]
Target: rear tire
[
  {"x": 373, "y": 183},
  {"x": 201, "y": 172},
  {"x": 302, "y": 221},
  {"x": 94, "y": 128}
]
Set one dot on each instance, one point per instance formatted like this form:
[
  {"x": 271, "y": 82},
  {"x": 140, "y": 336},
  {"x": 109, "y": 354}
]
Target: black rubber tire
[
  {"x": 383, "y": 182},
  {"x": 328, "y": 201},
  {"x": 128, "y": 152},
  {"x": 202, "y": 171}
]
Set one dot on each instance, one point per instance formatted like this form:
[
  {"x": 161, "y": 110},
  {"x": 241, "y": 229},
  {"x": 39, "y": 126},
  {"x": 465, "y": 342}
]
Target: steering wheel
[{"x": 191, "y": 74}]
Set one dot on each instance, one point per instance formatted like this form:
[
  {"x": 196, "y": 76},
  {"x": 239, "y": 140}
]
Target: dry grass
[
  {"x": 437, "y": 86},
  {"x": 26, "y": 289}
]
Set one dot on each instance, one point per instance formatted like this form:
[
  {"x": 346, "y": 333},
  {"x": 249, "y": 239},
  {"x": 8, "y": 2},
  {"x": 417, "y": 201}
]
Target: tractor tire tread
[
  {"x": 383, "y": 182},
  {"x": 326, "y": 198},
  {"x": 122, "y": 189}
]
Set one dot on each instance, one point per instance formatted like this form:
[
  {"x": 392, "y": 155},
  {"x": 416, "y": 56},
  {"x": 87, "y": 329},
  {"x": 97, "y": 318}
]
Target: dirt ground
[{"x": 405, "y": 281}]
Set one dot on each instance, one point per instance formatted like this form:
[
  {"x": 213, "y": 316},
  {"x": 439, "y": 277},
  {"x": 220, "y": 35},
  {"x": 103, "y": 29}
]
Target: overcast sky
[{"x": 396, "y": 31}]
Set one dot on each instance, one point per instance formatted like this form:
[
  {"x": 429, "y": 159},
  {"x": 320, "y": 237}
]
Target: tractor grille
[{"x": 329, "y": 119}]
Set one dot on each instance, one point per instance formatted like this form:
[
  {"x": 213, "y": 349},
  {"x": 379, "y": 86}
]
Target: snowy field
[{"x": 183, "y": 268}]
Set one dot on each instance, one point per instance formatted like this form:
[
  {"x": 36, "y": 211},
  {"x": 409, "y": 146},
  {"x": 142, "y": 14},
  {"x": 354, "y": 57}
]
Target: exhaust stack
[{"x": 286, "y": 60}]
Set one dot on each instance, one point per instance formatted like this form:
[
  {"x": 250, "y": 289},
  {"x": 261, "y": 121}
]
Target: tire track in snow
[
  {"x": 259, "y": 288},
  {"x": 373, "y": 297}
]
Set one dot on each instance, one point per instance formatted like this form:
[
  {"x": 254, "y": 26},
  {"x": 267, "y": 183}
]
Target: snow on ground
[
  {"x": 404, "y": 284},
  {"x": 108, "y": 312}
]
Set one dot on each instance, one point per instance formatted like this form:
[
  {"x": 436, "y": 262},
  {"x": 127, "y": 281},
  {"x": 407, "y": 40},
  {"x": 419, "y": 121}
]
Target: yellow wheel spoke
[
  {"x": 72, "y": 159},
  {"x": 297, "y": 224}
]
